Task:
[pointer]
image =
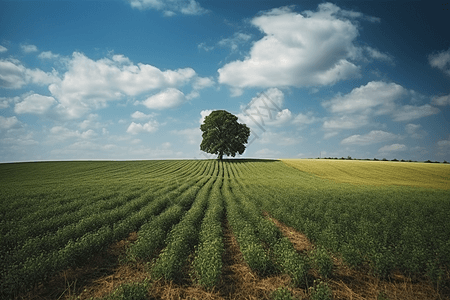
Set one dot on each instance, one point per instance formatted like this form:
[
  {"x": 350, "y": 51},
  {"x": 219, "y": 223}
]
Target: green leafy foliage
[
  {"x": 56, "y": 215},
  {"x": 320, "y": 291},
  {"x": 222, "y": 134},
  {"x": 281, "y": 293}
]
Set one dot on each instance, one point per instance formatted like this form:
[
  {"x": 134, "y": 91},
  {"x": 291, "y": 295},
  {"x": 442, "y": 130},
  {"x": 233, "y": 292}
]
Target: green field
[
  {"x": 55, "y": 216},
  {"x": 435, "y": 176}
]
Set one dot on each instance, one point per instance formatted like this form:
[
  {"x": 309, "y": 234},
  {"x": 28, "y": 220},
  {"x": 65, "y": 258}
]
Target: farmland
[{"x": 211, "y": 226}]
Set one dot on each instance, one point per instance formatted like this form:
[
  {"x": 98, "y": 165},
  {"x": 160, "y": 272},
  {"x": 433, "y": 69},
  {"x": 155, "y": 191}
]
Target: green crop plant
[
  {"x": 207, "y": 264},
  {"x": 54, "y": 215},
  {"x": 182, "y": 237},
  {"x": 320, "y": 291},
  {"x": 321, "y": 260},
  {"x": 281, "y": 293}
]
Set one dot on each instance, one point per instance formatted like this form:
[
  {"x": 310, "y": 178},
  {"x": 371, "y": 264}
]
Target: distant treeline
[{"x": 384, "y": 159}]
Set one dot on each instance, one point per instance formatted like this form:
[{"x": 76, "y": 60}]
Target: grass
[
  {"x": 376, "y": 218},
  {"x": 379, "y": 173}
]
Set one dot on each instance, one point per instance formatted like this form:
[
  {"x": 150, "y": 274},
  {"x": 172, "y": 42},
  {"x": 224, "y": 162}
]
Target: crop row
[
  {"x": 207, "y": 264},
  {"x": 37, "y": 258},
  {"x": 388, "y": 228},
  {"x": 183, "y": 236}
]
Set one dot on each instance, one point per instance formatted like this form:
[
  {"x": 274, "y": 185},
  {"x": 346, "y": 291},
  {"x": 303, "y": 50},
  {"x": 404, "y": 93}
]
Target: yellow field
[{"x": 376, "y": 172}]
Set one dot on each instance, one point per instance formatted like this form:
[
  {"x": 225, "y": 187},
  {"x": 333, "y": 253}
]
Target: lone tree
[{"x": 222, "y": 134}]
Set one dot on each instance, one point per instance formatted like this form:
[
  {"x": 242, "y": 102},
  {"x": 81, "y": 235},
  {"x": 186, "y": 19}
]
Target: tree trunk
[{"x": 220, "y": 155}]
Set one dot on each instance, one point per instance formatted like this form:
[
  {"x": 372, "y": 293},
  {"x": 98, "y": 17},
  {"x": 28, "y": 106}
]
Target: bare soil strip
[{"x": 347, "y": 283}]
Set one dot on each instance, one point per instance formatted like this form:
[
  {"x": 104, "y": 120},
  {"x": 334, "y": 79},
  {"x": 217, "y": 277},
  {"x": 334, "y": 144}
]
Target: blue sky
[{"x": 133, "y": 79}]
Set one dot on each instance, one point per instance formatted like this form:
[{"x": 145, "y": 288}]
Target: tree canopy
[{"x": 222, "y": 134}]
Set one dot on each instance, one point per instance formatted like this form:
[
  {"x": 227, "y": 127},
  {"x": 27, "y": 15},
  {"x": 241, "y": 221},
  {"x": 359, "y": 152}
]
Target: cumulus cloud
[
  {"x": 61, "y": 133},
  {"x": 29, "y": 48},
  {"x": 8, "y": 122},
  {"x": 266, "y": 108},
  {"x": 234, "y": 41},
  {"x": 346, "y": 122},
  {"x": 357, "y": 108},
  {"x": 141, "y": 115},
  {"x": 90, "y": 84},
  {"x": 375, "y": 95},
  {"x": 204, "y": 114},
  {"x": 375, "y": 54},
  {"x": 444, "y": 143},
  {"x": 150, "y": 126},
  {"x": 4, "y": 102},
  {"x": 441, "y": 101},
  {"x": 303, "y": 119},
  {"x": 48, "y": 55},
  {"x": 169, "y": 8},
  {"x": 415, "y": 131},
  {"x": 3, "y": 49},
  {"x": 440, "y": 60},
  {"x": 373, "y": 137},
  {"x": 298, "y": 50},
  {"x": 14, "y": 75},
  {"x": 34, "y": 104},
  {"x": 412, "y": 112},
  {"x": 392, "y": 148},
  {"x": 168, "y": 98},
  {"x": 202, "y": 82}
]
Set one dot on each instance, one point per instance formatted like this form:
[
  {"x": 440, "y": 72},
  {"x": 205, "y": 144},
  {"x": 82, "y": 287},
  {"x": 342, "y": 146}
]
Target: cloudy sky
[{"x": 134, "y": 79}]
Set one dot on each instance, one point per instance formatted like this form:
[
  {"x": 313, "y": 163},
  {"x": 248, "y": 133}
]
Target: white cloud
[
  {"x": 303, "y": 119},
  {"x": 60, "y": 133},
  {"x": 7, "y": 123},
  {"x": 168, "y": 98},
  {"x": 202, "y": 82},
  {"x": 330, "y": 134},
  {"x": 14, "y": 75},
  {"x": 414, "y": 131},
  {"x": 412, "y": 112},
  {"x": 90, "y": 84},
  {"x": 48, "y": 55},
  {"x": 392, "y": 148},
  {"x": 34, "y": 104},
  {"x": 362, "y": 104},
  {"x": 374, "y": 95},
  {"x": 440, "y": 60},
  {"x": 346, "y": 122},
  {"x": 297, "y": 50},
  {"x": 444, "y": 143},
  {"x": 265, "y": 109},
  {"x": 442, "y": 100},
  {"x": 204, "y": 114},
  {"x": 3, "y": 49},
  {"x": 373, "y": 137},
  {"x": 187, "y": 7},
  {"x": 29, "y": 48},
  {"x": 150, "y": 126},
  {"x": 4, "y": 102},
  {"x": 141, "y": 115},
  {"x": 19, "y": 141},
  {"x": 204, "y": 47},
  {"x": 234, "y": 41},
  {"x": 90, "y": 122},
  {"x": 375, "y": 54}
]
